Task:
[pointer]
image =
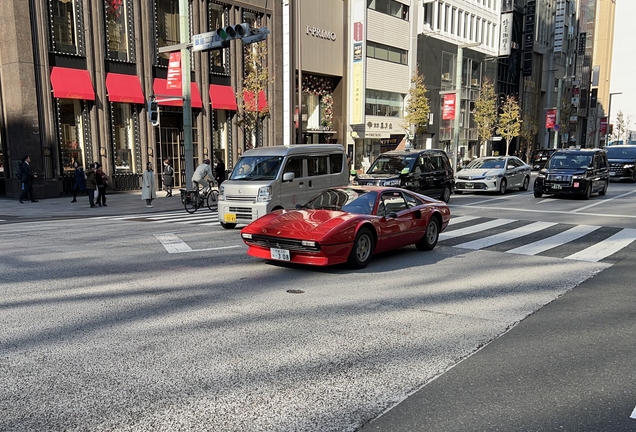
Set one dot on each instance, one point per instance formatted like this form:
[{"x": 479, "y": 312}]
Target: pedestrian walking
[
  {"x": 220, "y": 172},
  {"x": 102, "y": 181},
  {"x": 91, "y": 185},
  {"x": 148, "y": 185},
  {"x": 168, "y": 177},
  {"x": 26, "y": 177},
  {"x": 80, "y": 182}
]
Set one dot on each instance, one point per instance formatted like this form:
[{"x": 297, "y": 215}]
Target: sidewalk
[{"x": 119, "y": 203}]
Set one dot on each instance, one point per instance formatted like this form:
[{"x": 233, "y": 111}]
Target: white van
[{"x": 279, "y": 177}]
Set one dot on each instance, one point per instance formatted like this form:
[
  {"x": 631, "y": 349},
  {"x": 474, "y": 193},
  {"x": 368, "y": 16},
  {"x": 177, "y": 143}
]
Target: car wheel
[
  {"x": 538, "y": 194},
  {"x": 604, "y": 190},
  {"x": 228, "y": 225},
  {"x": 502, "y": 186},
  {"x": 588, "y": 192},
  {"x": 526, "y": 184},
  {"x": 431, "y": 236},
  {"x": 362, "y": 249},
  {"x": 446, "y": 193}
]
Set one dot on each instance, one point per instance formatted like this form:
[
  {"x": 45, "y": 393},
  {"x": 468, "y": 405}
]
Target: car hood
[
  {"x": 377, "y": 176},
  {"x": 299, "y": 224},
  {"x": 479, "y": 172},
  {"x": 624, "y": 161}
]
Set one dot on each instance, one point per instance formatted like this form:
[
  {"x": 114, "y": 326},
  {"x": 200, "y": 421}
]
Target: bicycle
[{"x": 194, "y": 199}]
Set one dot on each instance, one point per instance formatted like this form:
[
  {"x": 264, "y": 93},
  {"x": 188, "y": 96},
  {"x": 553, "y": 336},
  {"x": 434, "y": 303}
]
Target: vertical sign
[
  {"x": 559, "y": 26},
  {"x": 506, "y": 6},
  {"x": 582, "y": 43},
  {"x": 506, "y": 34},
  {"x": 356, "y": 113},
  {"x": 550, "y": 119},
  {"x": 448, "y": 111},
  {"x": 603, "y": 126},
  {"x": 528, "y": 38},
  {"x": 593, "y": 98},
  {"x": 174, "y": 71}
]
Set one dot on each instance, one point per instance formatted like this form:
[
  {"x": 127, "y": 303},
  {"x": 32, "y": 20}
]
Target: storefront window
[
  {"x": 71, "y": 130},
  {"x": 381, "y": 103},
  {"x": 117, "y": 29},
  {"x": 311, "y": 112},
  {"x": 64, "y": 30},
  {"x": 217, "y": 56},
  {"x": 167, "y": 26},
  {"x": 124, "y": 138}
]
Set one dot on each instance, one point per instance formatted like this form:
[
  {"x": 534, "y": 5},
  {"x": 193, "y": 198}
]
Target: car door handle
[{"x": 310, "y": 184}]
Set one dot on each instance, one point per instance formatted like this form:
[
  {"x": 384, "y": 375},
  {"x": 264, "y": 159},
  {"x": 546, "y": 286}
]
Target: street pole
[
  {"x": 458, "y": 98},
  {"x": 609, "y": 113},
  {"x": 299, "y": 66},
  {"x": 184, "y": 34},
  {"x": 558, "y": 114}
]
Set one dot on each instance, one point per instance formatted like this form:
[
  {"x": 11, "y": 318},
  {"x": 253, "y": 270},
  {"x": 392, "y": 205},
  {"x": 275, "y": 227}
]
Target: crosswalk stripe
[
  {"x": 461, "y": 219},
  {"x": 606, "y": 247},
  {"x": 505, "y": 236},
  {"x": 474, "y": 229},
  {"x": 182, "y": 216},
  {"x": 554, "y": 241}
]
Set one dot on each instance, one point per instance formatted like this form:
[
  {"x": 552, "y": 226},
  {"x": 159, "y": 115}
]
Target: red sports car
[{"x": 347, "y": 224}]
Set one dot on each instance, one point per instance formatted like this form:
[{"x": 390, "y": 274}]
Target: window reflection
[
  {"x": 217, "y": 20},
  {"x": 167, "y": 26},
  {"x": 71, "y": 130},
  {"x": 124, "y": 138},
  {"x": 64, "y": 26},
  {"x": 117, "y": 29}
]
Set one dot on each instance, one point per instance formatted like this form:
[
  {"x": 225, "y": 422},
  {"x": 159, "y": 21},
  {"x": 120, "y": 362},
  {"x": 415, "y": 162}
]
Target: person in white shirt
[{"x": 202, "y": 172}]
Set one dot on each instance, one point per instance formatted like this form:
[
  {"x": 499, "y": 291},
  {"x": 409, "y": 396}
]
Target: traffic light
[
  {"x": 255, "y": 34},
  {"x": 232, "y": 32},
  {"x": 153, "y": 112}
]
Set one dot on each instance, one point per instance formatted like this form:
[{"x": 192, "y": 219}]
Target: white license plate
[
  {"x": 612, "y": 173},
  {"x": 280, "y": 254},
  {"x": 555, "y": 186},
  {"x": 469, "y": 185}
]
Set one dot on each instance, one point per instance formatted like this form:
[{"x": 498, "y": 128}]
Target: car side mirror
[
  {"x": 510, "y": 167},
  {"x": 299, "y": 206},
  {"x": 392, "y": 215},
  {"x": 288, "y": 177}
]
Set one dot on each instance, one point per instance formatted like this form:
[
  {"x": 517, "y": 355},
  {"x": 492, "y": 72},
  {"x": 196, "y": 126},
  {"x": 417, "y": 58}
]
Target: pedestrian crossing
[{"x": 565, "y": 241}]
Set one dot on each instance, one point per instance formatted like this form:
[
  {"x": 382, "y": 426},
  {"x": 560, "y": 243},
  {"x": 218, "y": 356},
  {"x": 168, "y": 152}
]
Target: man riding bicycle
[{"x": 202, "y": 172}]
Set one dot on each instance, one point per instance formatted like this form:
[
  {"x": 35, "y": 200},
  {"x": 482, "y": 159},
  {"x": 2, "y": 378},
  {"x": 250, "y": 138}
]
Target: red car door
[{"x": 394, "y": 231}]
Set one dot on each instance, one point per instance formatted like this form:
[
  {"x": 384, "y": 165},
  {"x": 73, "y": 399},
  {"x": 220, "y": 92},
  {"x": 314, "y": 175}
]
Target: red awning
[
  {"x": 160, "y": 89},
  {"x": 72, "y": 84},
  {"x": 222, "y": 97},
  {"x": 248, "y": 97},
  {"x": 124, "y": 88}
]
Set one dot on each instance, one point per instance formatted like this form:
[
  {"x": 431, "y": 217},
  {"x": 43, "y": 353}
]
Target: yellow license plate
[{"x": 230, "y": 217}]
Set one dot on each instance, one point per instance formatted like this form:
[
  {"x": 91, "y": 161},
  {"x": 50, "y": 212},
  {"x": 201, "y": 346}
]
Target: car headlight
[
  {"x": 221, "y": 193},
  {"x": 394, "y": 182},
  {"x": 628, "y": 166},
  {"x": 246, "y": 236},
  {"x": 308, "y": 243},
  {"x": 494, "y": 177},
  {"x": 264, "y": 194},
  {"x": 578, "y": 177}
]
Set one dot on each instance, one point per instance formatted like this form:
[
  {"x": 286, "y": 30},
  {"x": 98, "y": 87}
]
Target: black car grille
[
  {"x": 559, "y": 178},
  {"x": 618, "y": 171},
  {"x": 281, "y": 243},
  {"x": 244, "y": 213},
  {"x": 369, "y": 182}
]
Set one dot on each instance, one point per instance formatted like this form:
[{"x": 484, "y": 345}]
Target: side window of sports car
[
  {"x": 411, "y": 201},
  {"x": 393, "y": 202},
  {"x": 295, "y": 165}
]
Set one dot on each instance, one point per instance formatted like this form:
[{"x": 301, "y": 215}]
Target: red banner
[
  {"x": 550, "y": 119},
  {"x": 448, "y": 111},
  {"x": 603, "y": 126},
  {"x": 174, "y": 71}
]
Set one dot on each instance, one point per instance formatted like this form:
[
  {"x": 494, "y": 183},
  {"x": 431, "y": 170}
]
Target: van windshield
[
  {"x": 385, "y": 164},
  {"x": 253, "y": 168}
]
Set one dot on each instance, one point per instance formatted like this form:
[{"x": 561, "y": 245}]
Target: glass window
[
  {"x": 295, "y": 165},
  {"x": 72, "y": 134},
  {"x": 117, "y": 29},
  {"x": 167, "y": 26},
  {"x": 394, "y": 56},
  {"x": 386, "y": 104},
  {"x": 123, "y": 138},
  {"x": 217, "y": 56},
  {"x": 335, "y": 163},
  {"x": 393, "y": 202},
  {"x": 447, "y": 68},
  {"x": 313, "y": 111},
  {"x": 390, "y": 7},
  {"x": 316, "y": 165},
  {"x": 64, "y": 31}
]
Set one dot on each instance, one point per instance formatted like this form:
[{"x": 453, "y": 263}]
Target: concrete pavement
[{"x": 118, "y": 203}]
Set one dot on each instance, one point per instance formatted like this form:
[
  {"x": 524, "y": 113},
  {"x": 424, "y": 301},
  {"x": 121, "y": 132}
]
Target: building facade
[{"x": 76, "y": 75}]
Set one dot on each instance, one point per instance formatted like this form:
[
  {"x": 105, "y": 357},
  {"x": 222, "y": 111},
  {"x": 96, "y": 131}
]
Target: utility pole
[
  {"x": 458, "y": 98},
  {"x": 184, "y": 33},
  {"x": 558, "y": 115}
]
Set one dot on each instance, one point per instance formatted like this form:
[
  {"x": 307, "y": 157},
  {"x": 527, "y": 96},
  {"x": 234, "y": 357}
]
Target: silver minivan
[{"x": 279, "y": 177}]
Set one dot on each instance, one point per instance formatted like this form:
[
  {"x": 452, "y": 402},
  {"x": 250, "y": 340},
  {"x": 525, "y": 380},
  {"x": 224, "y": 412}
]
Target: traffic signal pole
[{"x": 184, "y": 34}]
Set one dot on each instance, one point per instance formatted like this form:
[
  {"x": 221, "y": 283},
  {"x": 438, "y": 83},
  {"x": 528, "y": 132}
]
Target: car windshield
[
  {"x": 385, "y": 164},
  {"x": 251, "y": 168},
  {"x": 621, "y": 153},
  {"x": 569, "y": 161},
  {"x": 358, "y": 201},
  {"x": 487, "y": 164}
]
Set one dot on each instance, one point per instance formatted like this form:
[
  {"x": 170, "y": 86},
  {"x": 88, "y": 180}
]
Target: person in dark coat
[
  {"x": 80, "y": 182},
  {"x": 220, "y": 172},
  {"x": 101, "y": 180},
  {"x": 26, "y": 176},
  {"x": 168, "y": 177},
  {"x": 91, "y": 185}
]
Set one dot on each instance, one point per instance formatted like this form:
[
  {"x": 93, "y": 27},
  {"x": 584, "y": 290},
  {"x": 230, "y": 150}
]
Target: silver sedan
[{"x": 493, "y": 174}]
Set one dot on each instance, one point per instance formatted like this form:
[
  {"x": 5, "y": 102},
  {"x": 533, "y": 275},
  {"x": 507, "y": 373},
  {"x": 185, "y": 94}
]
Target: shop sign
[
  {"x": 174, "y": 71},
  {"x": 448, "y": 111},
  {"x": 320, "y": 33},
  {"x": 550, "y": 119}
]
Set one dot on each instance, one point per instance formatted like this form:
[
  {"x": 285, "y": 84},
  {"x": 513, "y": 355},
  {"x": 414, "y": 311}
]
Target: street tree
[
  {"x": 417, "y": 107},
  {"x": 530, "y": 125},
  {"x": 485, "y": 113},
  {"x": 509, "y": 120},
  {"x": 621, "y": 127},
  {"x": 565, "y": 113},
  {"x": 256, "y": 78}
]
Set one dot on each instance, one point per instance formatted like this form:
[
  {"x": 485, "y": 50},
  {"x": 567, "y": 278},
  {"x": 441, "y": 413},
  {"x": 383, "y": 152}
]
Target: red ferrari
[{"x": 347, "y": 224}]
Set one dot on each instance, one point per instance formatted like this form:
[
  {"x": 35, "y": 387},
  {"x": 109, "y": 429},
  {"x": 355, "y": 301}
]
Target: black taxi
[{"x": 574, "y": 172}]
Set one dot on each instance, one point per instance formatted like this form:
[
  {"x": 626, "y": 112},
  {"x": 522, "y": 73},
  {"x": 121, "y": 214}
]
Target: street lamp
[
  {"x": 458, "y": 93},
  {"x": 609, "y": 113}
]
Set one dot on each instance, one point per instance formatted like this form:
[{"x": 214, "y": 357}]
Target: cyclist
[{"x": 202, "y": 172}]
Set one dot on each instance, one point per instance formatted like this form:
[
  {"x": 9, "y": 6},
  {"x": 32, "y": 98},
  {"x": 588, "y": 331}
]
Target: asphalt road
[{"x": 104, "y": 329}]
